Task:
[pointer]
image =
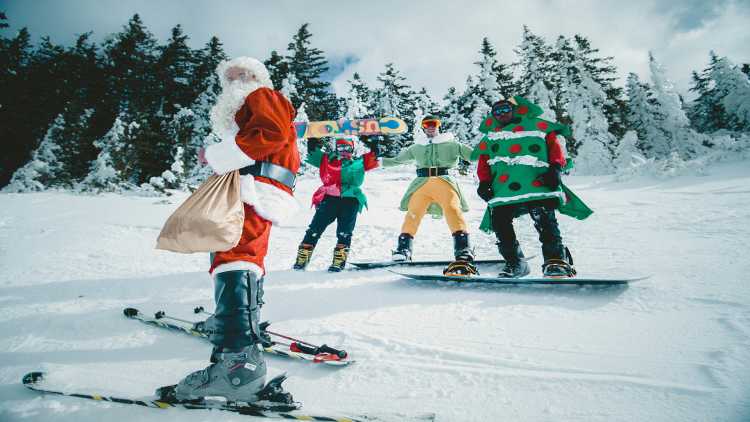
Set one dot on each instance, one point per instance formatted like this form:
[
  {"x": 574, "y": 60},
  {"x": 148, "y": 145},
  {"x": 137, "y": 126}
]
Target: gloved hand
[
  {"x": 485, "y": 190},
  {"x": 552, "y": 177},
  {"x": 375, "y": 148},
  {"x": 313, "y": 144}
]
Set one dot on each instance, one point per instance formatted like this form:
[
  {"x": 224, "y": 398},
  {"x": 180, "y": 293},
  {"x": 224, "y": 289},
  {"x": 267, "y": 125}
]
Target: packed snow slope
[{"x": 675, "y": 347}]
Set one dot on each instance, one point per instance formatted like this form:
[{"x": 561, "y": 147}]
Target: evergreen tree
[
  {"x": 627, "y": 154},
  {"x": 683, "y": 139},
  {"x": 645, "y": 118},
  {"x": 394, "y": 98},
  {"x": 453, "y": 119},
  {"x": 43, "y": 169},
  {"x": 734, "y": 84},
  {"x": 487, "y": 79},
  {"x": 174, "y": 67},
  {"x": 584, "y": 98},
  {"x": 207, "y": 60},
  {"x": 538, "y": 80},
  {"x": 109, "y": 170},
  {"x": 706, "y": 113},
  {"x": 278, "y": 68},
  {"x": 307, "y": 64},
  {"x": 358, "y": 89}
]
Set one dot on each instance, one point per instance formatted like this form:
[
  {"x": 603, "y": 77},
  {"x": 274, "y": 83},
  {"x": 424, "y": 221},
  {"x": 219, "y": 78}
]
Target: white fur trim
[
  {"x": 238, "y": 266},
  {"x": 438, "y": 139},
  {"x": 270, "y": 202},
  {"x": 255, "y": 66},
  {"x": 558, "y": 194},
  {"x": 523, "y": 160},
  {"x": 226, "y": 156},
  {"x": 516, "y": 135}
]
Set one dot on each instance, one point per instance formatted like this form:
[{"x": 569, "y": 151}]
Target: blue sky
[{"x": 433, "y": 43}]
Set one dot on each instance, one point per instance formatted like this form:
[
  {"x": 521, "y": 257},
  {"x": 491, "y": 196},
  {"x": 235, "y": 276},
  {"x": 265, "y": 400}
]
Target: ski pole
[{"x": 300, "y": 345}]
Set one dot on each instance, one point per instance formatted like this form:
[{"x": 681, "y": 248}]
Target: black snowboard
[
  {"x": 384, "y": 264},
  {"x": 525, "y": 280}
]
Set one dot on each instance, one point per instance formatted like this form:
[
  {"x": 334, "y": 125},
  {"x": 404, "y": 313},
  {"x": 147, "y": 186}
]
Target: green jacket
[
  {"x": 341, "y": 177},
  {"x": 440, "y": 151}
]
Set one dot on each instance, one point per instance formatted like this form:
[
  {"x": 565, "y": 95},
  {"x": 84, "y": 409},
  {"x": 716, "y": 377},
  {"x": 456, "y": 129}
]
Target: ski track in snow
[{"x": 675, "y": 347}]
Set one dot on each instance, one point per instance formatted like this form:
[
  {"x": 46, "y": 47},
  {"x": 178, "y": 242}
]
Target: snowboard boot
[
  {"x": 403, "y": 250},
  {"x": 340, "y": 254},
  {"x": 238, "y": 370},
  {"x": 515, "y": 265},
  {"x": 559, "y": 267},
  {"x": 464, "y": 257},
  {"x": 304, "y": 253}
]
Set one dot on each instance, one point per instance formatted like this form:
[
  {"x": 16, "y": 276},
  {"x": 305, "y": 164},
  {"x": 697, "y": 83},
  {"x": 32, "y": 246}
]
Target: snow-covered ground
[{"x": 675, "y": 347}]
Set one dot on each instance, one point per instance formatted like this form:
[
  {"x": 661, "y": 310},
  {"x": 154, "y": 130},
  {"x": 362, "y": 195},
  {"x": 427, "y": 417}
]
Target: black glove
[
  {"x": 313, "y": 144},
  {"x": 485, "y": 190},
  {"x": 552, "y": 177},
  {"x": 375, "y": 149}
]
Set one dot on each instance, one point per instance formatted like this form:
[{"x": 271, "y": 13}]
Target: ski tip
[
  {"x": 32, "y": 378},
  {"x": 130, "y": 312}
]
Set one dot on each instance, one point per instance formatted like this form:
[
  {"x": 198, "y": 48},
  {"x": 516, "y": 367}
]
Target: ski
[
  {"x": 33, "y": 381},
  {"x": 524, "y": 280},
  {"x": 297, "y": 349},
  {"x": 385, "y": 264}
]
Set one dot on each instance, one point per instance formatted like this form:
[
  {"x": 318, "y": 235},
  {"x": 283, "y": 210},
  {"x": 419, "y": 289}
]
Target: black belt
[
  {"x": 432, "y": 171},
  {"x": 272, "y": 171}
]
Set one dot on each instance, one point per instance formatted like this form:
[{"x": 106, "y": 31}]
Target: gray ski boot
[
  {"x": 515, "y": 265},
  {"x": 403, "y": 249},
  {"x": 238, "y": 370}
]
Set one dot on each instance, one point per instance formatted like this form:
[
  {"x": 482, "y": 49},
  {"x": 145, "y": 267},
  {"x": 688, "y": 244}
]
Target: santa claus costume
[{"x": 254, "y": 123}]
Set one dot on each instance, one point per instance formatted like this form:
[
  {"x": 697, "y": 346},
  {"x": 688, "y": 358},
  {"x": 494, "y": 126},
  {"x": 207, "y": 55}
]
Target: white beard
[{"x": 227, "y": 104}]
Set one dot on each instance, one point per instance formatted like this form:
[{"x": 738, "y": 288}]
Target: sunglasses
[
  {"x": 429, "y": 124},
  {"x": 501, "y": 109}
]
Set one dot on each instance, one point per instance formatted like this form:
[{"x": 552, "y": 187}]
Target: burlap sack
[{"x": 210, "y": 220}]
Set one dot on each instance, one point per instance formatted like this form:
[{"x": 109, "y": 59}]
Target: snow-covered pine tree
[
  {"x": 175, "y": 64},
  {"x": 644, "y": 117},
  {"x": 686, "y": 141},
  {"x": 538, "y": 80},
  {"x": 288, "y": 86},
  {"x": 627, "y": 154},
  {"x": 585, "y": 99},
  {"x": 487, "y": 78},
  {"x": 109, "y": 170},
  {"x": 476, "y": 110},
  {"x": 394, "y": 98},
  {"x": 42, "y": 171},
  {"x": 734, "y": 84},
  {"x": 359, "y": 89},
  {"x": 706, "y": 114},
  {"x": 302, "y": 117},
  {"x": 453, "y": 119}
]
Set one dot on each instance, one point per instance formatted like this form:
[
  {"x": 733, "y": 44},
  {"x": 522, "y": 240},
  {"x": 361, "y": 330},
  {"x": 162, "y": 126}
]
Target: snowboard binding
[{"x": 461, "y": 268}]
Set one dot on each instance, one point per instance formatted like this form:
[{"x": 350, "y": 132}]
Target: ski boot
[
  {"x": 559, "y": 267},
  {"x": 238, "y": 370},
  {"x": 340, "y": 254},
  {"x": 403, "y": 250},
  {"x": 464, "y": 257},
  {"x": 236, "y": 375},
  {"x": 304, "y": 253},
  {"x": 515, "y": 265}
]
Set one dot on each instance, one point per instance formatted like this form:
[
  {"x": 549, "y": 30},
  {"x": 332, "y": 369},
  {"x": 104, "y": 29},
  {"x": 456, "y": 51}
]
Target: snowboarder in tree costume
[
  {"x": 254, "y": 123},
  {"x": 340, "y": 198},
  {"x": 434, "y": 191},
  {"x": 521, "y": 160}
]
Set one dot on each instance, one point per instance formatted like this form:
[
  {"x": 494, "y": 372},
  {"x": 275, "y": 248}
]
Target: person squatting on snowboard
[
  {"x": 254, "y": 123},
  {"x": 436, "y": 192},
  {"x": 521, "y": 159},
  {"x": 340, "y": 198}
]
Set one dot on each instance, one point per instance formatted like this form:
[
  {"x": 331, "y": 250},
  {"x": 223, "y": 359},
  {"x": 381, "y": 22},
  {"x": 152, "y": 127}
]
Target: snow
[{"x": 675, "y": 347}]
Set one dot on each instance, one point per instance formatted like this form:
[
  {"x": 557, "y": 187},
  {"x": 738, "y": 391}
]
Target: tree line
[{"x": 131, "y": 112}]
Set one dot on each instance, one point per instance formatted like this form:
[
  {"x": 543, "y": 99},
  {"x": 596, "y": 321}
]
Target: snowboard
[
  {"x": 384, "y": 264},
  {"x": 525, "y": 280},
  {"x": 343, "y": 127}
]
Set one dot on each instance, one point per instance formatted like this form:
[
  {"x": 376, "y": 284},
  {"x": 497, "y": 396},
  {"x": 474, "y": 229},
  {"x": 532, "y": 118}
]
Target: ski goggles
[
  {"x": 430, "y": 123},
  {"x": 500, "y": 109},
  {"x": 342, "y": 145}
]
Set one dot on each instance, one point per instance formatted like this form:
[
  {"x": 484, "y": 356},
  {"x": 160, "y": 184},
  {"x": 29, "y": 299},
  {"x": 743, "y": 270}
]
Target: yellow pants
[{"x": 439, "y": 191}]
